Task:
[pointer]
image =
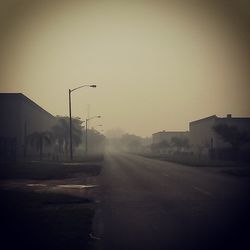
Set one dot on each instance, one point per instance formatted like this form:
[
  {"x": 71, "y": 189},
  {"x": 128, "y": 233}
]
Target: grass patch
[
  {"x": 46, "y": 170},
  {"x": 195, "y": 162}
]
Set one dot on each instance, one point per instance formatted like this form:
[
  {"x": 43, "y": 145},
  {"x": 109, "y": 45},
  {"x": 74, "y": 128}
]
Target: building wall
[
  {"x": 9, "y": 126},
  {"x": 33, "y": 119},
  {"x": 202, "y": 133},
  {"x": 10, "y": 113},
  {"x": 168, "y": 135},
  {"x": 21, "y": 117},
  {"x": 203, "y": 136}
]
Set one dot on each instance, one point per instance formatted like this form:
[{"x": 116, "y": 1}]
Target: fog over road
[{"x": 151, "y": 204}]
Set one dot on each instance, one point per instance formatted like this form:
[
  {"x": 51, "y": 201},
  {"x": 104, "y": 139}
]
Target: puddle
[
  {"x": 72, "y": 163},
  {"x": 69, "y": 186},
  {"x": 76, "y": 186},
  {"x": 36, "y": 185}
]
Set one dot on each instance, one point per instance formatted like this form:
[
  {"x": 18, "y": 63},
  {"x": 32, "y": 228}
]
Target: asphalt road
[{"x": 151, "y": 204}]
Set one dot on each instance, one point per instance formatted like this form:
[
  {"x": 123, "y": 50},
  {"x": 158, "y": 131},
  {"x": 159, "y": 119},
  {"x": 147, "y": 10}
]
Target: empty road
[{"x": 151, "y": 204}]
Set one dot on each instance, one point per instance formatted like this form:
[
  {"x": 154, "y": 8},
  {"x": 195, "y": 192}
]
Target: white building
[{"x": 203, "y": 137}]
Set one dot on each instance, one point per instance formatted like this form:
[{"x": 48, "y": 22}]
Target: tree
[
  {"x": 232, "y": 135},
  {"x": 159, "y": 147},
  {"x": 39, "y": 140},
  {"x": 61, "y": 133},
  {"x": 134, "y": 146},
  {"x": 201, "y": 147},
  {"x": 180, "y": 142},
  {"x": 164, "y": 144},
  {"x": 95, "y": 141},
  {"x": 131, "y": 142}
]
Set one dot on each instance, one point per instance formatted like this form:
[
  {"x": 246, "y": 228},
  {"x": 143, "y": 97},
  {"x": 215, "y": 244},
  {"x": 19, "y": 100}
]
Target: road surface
[{"x": 151, "y": 204}]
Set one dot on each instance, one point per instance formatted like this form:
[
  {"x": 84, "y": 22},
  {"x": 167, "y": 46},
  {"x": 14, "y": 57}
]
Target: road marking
[{"x": 202, "y": 191}]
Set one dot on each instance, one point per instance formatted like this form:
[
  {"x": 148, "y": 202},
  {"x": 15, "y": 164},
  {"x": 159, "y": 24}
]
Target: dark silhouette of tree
[
  {"x": 131, "y": 142},
  {"x": 135, "y": 145},
  {"x": 232, "y": 135},
  {"x": 158, "y": 147},
  {"x": 96, "y": 141},
  {"x": 61, "y": 133},
  {"x": 180, "y": 143},
  {"x": 164, "y": 144},
  {"x": 202, "y": 147},
  {"x": 154, "y": 148},
  {"x": 39, "y": 140}
]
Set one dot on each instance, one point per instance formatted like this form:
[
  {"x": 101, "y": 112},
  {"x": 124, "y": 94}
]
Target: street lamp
[
  {"x": 86, "y": 126},
  {"x": 70, "y": 119}
]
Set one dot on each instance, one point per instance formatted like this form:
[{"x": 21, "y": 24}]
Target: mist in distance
[{"x": 158, "y": 64}]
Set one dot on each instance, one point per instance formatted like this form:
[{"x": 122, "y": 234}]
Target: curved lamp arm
[
  {"x": 97, "y": 116},
  {"x": 86, "y": 85}
]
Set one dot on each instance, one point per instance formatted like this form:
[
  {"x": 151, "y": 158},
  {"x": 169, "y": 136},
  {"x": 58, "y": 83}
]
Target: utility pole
[
  {"x": 70, "y": 118},
  {"x": 70, "y": 127},
  {"x": 86, "y": 136}
]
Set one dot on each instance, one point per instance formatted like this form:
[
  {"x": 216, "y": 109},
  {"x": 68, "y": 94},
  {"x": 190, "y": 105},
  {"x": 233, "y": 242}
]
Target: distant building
[
  {"x": 204, "y": 139},
  {"x": 168, "y": 135},
  {"x": 20, "y": 117}
]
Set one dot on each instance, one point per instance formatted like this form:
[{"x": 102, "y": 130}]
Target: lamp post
[
  {"x": 86, "y": 126},
  {"x": 70, "y": 118}
]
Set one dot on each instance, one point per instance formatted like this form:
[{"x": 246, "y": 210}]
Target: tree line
[
  {"x": 230, "y": 134},
  {"x": 57, "y": 137}
]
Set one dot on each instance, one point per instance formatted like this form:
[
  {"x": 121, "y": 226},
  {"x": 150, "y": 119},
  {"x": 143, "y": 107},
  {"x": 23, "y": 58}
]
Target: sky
[{"x": 157, "y": 64}]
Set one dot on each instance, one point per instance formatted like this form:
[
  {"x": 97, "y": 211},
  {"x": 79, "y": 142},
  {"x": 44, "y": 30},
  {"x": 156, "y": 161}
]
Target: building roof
[
  {"x": 226, "y": 118},
  {"x": 170, "y": 132},
  {"x": 205, "y": 119},
  {"x": 23, "y": 98}
]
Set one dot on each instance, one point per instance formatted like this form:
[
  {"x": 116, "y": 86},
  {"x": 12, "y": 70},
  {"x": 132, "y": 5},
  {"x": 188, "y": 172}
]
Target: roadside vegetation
[
  {"x": 54, "y": 143},
  {"x": 47, "y": 201},
  {"x": 180, "y": 150},
  {"x": 48, "y": 170}
]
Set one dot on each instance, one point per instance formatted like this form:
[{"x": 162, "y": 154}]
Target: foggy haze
[
  {"x": 125, "y": 124},
  {"x": 158, "y": 64}
]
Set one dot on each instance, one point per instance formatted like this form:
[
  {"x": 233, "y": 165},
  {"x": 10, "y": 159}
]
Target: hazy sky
[{"x": 157, "y": 64}]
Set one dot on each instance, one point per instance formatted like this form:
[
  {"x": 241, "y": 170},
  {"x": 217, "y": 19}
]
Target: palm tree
[
  {"x": 39, "y": 140},
  {"x": 61, "y": 133}
]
